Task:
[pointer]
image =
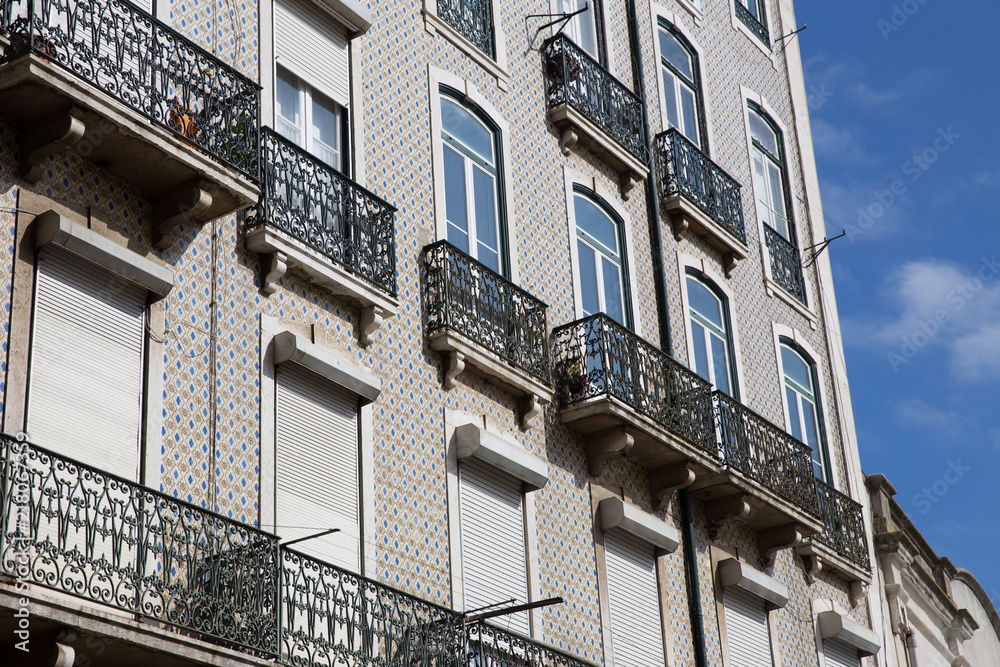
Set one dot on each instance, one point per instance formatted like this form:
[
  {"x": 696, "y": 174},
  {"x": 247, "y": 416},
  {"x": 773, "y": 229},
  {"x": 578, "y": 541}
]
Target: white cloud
[
  {"x": 839, "y": 143},
  {"x": 915, "y": 412}
]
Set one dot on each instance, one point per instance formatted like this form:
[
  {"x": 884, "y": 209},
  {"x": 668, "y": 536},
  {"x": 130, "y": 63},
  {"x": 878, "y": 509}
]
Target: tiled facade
[{"x": 212, "y": 435}]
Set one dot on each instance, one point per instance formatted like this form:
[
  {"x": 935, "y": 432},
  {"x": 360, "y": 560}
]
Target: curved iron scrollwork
[
  {"x": 332, "y": 617},
  {"x": 596, "y": 356},
  {"x": 685, "y": 170},
  {"x": 843, "y": 525},
  {"x": 473, "y": 19},
  {"x": 494, "y": 647},
  {"x": 786, "y": 264},
  {"x": 753, "y": 23},
  {"x": 75, "y": 529},
  {"x": 754, "y": 446},
  {"x": 470, "y": 299},
  {"x": 576, "y": 79},
  {"x": 306, "y": 198},
  {"x": 129, "y": 54}
]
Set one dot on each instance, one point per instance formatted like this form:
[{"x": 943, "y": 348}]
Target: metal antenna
[
  {"x": 310, "y": 537},
  {"x": 563, "y": 17},
  {"x": 822, "y": 245}
]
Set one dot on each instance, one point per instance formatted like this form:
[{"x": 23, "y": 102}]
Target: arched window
[
  {"x": 711, "y": 336},
  {"x": 681, "y": 83},
  {"x": 801, "y": 399},
  {"x": 602, "y": 271},
  {"x": 769, "y": 173},
  {"x": 470, "y": 145}
]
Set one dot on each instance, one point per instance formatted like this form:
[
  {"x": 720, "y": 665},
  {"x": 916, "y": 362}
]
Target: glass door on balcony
[
  {"x": 681, "y": 87},
  {"x": 769, "y": 174},
  {"x": 710, "y": 336},
  {"x": 803, "y": 414},
  {"x": 601, "y": 271},
  {"x": 308, "y": 118},
  {"x": 582, "y": 28}
]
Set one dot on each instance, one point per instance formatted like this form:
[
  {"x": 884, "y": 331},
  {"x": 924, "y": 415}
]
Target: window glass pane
[
  {"x": 700, "y": 351},
  {"x": 286, "y": 96},
  {"x": 613, "y": 304},
  {"x": 809, "y": 418},
  {"x": 720, "y": 363},
  {"x": 704, "y": 302},
  {"x": 487, "y": 243},
  {"x": 588, "y": 279},
  {"x": 689, "y": 123},
  {"x": 763, "y": 134},
  {"x": 456, "y": 209},
  {"x": 753, "y": 7},
  {"x": 777, "y": 203},
  {"x": 596, "y": 223},
  {"x": 325, "y": 129},
  {"x": 581, "y": 28},
  {"x": 675, "y": 54},
  {"x": 796, "y": 369},
  {"x": 793, "y": 412},
  {"x": 466, "y": 129},
  {"x": 670, "y": 99}
]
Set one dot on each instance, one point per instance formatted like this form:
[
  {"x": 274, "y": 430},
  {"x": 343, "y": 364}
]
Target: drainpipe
[
  {"x": 693, "y": 585},
  {"x": 911, "y": 647}
]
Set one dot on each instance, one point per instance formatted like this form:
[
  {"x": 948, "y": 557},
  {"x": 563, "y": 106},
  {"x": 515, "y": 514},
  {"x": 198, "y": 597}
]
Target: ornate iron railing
[
  {"x": 576, "y": 79},
  {"x": 141, "y": 62},
  {"x": 492, "y": 647},
  {"x": 786, "y": 264},
  {"x": 473, "y": 19},
  {"x": 331, "y": 617},
  {"x": 753, "y": 446},
  {"x": 72, "y": 528},
  {"x": 596, "y": 356},
  {"x": 314, "y": 203},
  {"x": 684, "y": 170},
  {"x": 472, "y": 300},
  {"x": 843, "y": 524},
  {"x": 755, "y": 25}
]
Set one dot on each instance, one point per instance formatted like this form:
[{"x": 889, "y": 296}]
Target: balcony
[
  {"x": 107, "y": 82},
  {"x": 476, "y": 316},
  {"x": 315, "y": 220},
  {"x": 472, "y": 19},
  {"x": 591, "y": 108},
  {"x": 629, "y": 398},
  {"x": 752, "y": 23},
  {"x": 696, "y": 194},
  {"x": 767, "y": 479},
  {"x": 139, "y": 577},
  {"x": 786, "y": 264},
  {"x": 841, "y": 546},
  {"x": 488, "y": 645}
]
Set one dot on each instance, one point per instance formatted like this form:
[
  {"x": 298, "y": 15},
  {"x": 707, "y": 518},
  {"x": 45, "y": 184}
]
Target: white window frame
[
  {"x": 608, "y": 197},
  {"x": 555, "y": 8},
  {"x": 269, "y": 328},
  {"x": 838, "y": 470},
  {"x": 305, "y": 127},
  {"x": 435, "y": 79},
  {"x": 656, "y": 13},
  {"x": 497, "y": 66},
  {"x": 768, "y": 50},
  {"x": 772, "y": 288}
]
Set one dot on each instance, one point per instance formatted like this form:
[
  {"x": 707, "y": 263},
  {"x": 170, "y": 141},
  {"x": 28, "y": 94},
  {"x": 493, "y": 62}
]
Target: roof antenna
[
  {"x": 822, "y": 245},
  {"x": 564, "y": 18}
]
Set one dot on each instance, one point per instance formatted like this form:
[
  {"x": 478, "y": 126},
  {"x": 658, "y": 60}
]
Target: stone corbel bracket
[
  {"x": 667, "y": 479},
  {"x": 606, "y": 445},
  {"x": 723, "y": 509},
  {"x": 773, "y": 540},
  {"x": 48, "y": 135},
  {"x": 184, "y": 204}
]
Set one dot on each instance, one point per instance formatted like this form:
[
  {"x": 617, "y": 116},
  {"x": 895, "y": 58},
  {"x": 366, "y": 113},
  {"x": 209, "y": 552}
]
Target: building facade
[{"x": 425, "y": 331}]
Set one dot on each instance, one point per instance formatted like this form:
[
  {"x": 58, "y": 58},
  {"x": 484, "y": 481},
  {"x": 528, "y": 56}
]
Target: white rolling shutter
[
  {"x": 746, "y": 629},
  {"x": 316, "y": 466},
  {"x": 633, "y": 599},
  {"x": 840, "y": 654},
  {"x": 311, "y": 46},
  {"x": 492, "y": 525},
  {"x": 85, "y": 392}
]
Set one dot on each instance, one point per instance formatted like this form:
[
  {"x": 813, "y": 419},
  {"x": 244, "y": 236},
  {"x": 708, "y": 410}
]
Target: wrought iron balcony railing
[
  {"x": 75, "y": 529},
  {"x": 331, "y": 617},
  {"x": 473, "y": 19},
  {"x": 576, "y": 79},
  {"x": 596, "y": 356},
  {"x": 130, "y": 55},
  {"x": 786, "y": 264},
  {"x": 755, "y": 25},
  {"x": 491, "y": 646},
  {"x": 314, "y": 203},
  {"x": 764, "y": 453},
  {"x": 470, "y": 299},
  {"x": 843, "y": 525},
  {"x": 684, "y": 170}
]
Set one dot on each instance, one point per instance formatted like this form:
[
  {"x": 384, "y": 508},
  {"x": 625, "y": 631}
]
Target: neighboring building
[
  {"x": 935, "y": 614},
  {"x": 518, "y": 296}
]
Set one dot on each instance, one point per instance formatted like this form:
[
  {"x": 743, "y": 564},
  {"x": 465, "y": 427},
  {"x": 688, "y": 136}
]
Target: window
[
  {"x": 586, "y": 27},
  {"x": 308, "y": 118},
  {"x": 681, "y": 84},
  {"x": 804, "y": 418},
  {"x": 838, "y": 653},
  {"x": 633, "y": 601},
  {"x": 602, "y": 279},
  {"x": 753, "y": 16},
  {"x": 769, "y": 177},
  {"x": 711, "y": 339},
  {"x": 755, "y": 8},
  {"x": 748, "y": 637},
  {"x": 472, "y": 185}
]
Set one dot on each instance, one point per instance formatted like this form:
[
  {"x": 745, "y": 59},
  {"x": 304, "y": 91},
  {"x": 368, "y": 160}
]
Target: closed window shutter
[
  {"x": 840, "y": 654},
  {"x": 316, "y": 466},
  {"x": 85, "y": 392},
  {"x": 492, "y": 525},
  {"x": 746, "y": 629},
  {"x": 633, "y": 600},
  {"x": 311, "y": 46}
]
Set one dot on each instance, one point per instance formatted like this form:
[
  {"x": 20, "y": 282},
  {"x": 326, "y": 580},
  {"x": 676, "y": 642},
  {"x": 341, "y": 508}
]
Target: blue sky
[{"x": 904, "y": 101}]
